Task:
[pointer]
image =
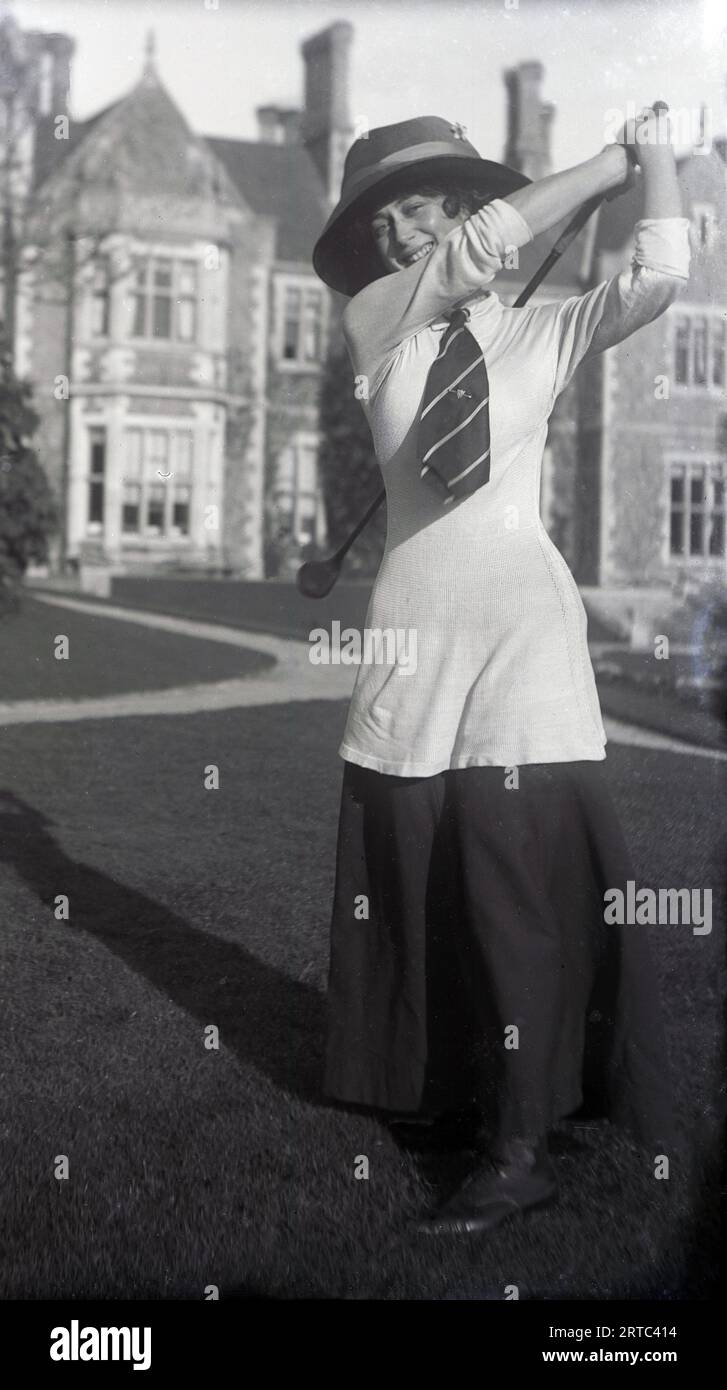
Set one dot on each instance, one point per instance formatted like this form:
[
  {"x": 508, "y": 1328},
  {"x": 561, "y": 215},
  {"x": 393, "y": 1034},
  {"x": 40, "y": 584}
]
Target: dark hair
[{"x": 456, "y": 198}]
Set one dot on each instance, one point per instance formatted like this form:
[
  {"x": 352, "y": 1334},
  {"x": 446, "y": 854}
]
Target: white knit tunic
[{"x": 502, "y": 674}]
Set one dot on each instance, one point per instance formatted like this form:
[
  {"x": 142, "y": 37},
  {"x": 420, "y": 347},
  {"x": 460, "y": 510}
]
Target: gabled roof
[
  {"x": 143, "y": 143},
  {"x": 49, "y": 152},
  {"x": 279, "y": 181}
]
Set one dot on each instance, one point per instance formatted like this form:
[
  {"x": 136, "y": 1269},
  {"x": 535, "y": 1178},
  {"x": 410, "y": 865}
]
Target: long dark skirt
[{"x": 470, "y": 960}]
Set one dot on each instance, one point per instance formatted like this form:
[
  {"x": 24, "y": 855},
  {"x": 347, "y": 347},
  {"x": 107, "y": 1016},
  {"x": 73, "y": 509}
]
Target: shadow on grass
[
  {"x": 269, "y": 1021},
  {"x": 276, "y": 1026}
]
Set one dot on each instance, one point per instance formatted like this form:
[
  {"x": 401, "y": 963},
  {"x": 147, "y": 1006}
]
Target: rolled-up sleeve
[
  {"x": 390, "y": 310},
  {"x": 587, "y": 324}
]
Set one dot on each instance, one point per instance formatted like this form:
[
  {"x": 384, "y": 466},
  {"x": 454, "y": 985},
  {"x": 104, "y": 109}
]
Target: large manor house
[{"x": 158, "y": 292}]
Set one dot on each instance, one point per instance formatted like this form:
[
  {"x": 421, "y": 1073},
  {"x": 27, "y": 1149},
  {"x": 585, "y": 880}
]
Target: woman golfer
[{"x": 471, "y": 965}]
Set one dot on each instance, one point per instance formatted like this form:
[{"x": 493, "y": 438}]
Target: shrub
[{"x": 28, "y": 512}]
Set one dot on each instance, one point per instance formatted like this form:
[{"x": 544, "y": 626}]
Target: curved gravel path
[{"x": 292, "y": 679}]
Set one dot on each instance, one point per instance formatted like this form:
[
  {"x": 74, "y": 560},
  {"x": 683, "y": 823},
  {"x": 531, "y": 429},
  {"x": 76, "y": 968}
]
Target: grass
[
  {"x": 643, "y": 692},
  {"x": 661, "y": 695},
  {"x": 105, "y": 658},
  {"x": 260, "y": 605},
  {"x": 191, "y": 1166}
]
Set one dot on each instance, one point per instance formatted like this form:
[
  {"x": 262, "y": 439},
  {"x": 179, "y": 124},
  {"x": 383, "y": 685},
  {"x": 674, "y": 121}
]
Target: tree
[
  {"x": 349, "y": 472},
  {"x": 28, "y": 511}
]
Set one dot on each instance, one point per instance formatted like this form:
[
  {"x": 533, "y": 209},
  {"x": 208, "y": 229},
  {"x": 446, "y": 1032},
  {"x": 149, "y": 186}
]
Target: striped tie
[{"x": 453, "y": 441}]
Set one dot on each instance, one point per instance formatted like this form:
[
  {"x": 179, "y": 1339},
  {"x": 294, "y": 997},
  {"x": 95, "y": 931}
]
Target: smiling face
[{"x": 407, "y": 229}]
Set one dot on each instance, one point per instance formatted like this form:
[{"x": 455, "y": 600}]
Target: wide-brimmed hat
[{"x": 427, "y": 148}]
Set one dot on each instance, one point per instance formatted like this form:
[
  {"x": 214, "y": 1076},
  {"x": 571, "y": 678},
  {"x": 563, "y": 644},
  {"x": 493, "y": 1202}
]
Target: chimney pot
[
  {"x": 268, "y": 124},
  {"x": 278, "y": 125}
]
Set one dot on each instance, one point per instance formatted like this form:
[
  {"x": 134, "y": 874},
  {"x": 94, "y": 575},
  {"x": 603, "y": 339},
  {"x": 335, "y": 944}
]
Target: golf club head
[{"x": 316, "y": 578}]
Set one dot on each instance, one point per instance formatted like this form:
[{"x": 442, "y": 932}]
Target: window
[
  {"x": 699, "y": 350},
  {"x": 182, "y": 490},
  {"x": 296, "y": 491},
  {"x": 100, "y": 298},
  {"x": 156, "y": 458},
  {"x": 291, "y": 322},
  {"x": 131, "y": 488},
  {"x": 187, "y": 302},
  {"x": 165, "y": 299},
  {"x": 96, "y": 480},
  {"x": 301, "y": 324},
  {"x": 681, "y": 351},
  {"x": 699, "y": 335},
  {"x": 704, "y": 224},
  {"x": 157, "y": 483},
  {"x": 718, "y": 342},
  {"x": 697, "y": 511}
]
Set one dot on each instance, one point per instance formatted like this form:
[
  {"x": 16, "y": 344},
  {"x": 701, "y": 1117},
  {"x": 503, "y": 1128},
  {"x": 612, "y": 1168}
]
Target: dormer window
[{"x": 165, "y": 299}]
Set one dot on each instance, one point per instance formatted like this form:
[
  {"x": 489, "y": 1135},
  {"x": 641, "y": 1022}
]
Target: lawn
[
  {"x": 632, "y": 686},
  {"x": 665, "y": 694},
  {"x": 191, "y": 1166},
  {"x": 105, "y": 658}
]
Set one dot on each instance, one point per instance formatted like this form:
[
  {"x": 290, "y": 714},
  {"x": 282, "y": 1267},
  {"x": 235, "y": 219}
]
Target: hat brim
[{"x": 346, "y": 261}]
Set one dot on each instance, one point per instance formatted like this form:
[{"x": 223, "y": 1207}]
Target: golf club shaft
[
  {"x": 358, "y": 528},
  {"x": 577, "y": 222},
  {"x": 575, "y": 225}
]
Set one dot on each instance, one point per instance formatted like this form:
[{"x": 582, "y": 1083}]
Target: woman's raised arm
[
  {"x": 393, "y": 308},
  {"x": 647, "y": 140},
  {"x": 587, "y": 324},
  {"x": 557, "y": 196}
]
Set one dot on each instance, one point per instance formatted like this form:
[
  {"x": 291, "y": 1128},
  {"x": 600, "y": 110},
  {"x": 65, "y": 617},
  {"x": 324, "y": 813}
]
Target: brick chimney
[
  {"x": 61, "y": 48},
  {"x": 529, "y": 119},
  {"x": 50, "y": 60},
  {"x": 327, "y": 131},
  {"x": 35, "y": 74}
]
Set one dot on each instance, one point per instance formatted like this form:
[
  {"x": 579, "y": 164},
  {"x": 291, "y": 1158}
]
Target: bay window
[
  {"x": 96, "y": 480},
  {"x": 157, "y": 483}
]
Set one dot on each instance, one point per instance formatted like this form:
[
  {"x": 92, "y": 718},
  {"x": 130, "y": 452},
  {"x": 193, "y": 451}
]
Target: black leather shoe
[{"x": 493, "y": 1193}]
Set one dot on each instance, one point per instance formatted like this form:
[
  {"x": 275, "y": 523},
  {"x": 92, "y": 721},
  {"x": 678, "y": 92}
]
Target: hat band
[{"x": 429, "y": 149}]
